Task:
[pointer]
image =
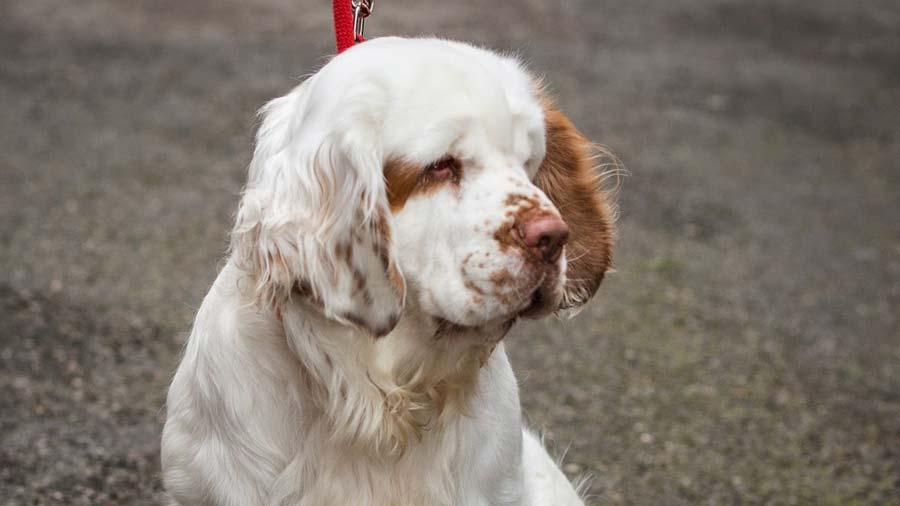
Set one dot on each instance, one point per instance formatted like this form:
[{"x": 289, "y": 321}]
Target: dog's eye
[{"x": 443, "y": 169}]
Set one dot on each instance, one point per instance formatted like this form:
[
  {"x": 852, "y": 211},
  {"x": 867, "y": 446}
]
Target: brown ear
[{"x": 570, "y": 176}]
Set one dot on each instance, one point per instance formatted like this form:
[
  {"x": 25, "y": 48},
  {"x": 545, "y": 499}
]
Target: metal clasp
[{"x": 361, "y": 10}]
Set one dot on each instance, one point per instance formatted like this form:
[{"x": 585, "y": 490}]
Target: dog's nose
[{"x": 546, "y": 236}]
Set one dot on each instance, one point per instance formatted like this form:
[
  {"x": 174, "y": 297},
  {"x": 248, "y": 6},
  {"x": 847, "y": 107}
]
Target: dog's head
[{"x": 424, "y": 172}]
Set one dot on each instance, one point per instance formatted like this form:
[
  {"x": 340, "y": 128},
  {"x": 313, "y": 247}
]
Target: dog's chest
[{"x": 436, "y": 472}]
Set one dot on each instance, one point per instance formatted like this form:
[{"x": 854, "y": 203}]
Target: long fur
[{"x": 350, "y": 351}]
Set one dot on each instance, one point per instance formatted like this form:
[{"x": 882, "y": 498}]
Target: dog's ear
[
  {"x": 571, "y": 177},
  {"x": 314, "y": 223}
]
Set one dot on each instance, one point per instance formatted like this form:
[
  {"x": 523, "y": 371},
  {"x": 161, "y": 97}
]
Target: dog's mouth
[
  {"x": 534, "y": 306},
  {"x": 541, "y": 301},
  {"x": 545, "y": 299}
]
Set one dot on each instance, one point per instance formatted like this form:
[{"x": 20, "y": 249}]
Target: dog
[{"x": 405, "y": 206}]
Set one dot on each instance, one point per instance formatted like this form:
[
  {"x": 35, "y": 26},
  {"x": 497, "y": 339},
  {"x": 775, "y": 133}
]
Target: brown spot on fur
[
  {"x": 382, "y": 227},
  {"x": 397, "y": 280},
  {"x": 501, "y": 278},
  {"x": 359, "y": 281},
  {"x": 570, "y": 179},
  {"x": 473, "y": 287},
  {"x": 505, "y": 236},
  {"x": 381, "y": 247},
  {"x": 503, "y": 281},
  {"x": 521, "y": 200}
]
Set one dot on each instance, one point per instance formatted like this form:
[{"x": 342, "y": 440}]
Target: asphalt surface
[{"x": 746, "y": 351}]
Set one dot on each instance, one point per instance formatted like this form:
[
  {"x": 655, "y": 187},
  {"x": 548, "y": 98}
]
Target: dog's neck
[{"x": 382, "y": 395}]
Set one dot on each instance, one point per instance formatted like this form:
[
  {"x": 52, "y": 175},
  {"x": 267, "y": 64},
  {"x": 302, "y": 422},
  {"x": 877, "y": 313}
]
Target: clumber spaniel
[{"x": 405, "y": 206}]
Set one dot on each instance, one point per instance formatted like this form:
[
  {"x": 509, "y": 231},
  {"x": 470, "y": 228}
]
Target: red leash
[{"x": 350, "y": 21}]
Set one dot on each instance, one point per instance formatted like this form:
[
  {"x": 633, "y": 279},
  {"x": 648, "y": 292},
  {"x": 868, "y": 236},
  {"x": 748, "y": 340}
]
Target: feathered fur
[{"x": 350, "y": 351}]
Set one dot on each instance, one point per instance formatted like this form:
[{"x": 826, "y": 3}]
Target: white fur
[{"x": 284, "y": 397}]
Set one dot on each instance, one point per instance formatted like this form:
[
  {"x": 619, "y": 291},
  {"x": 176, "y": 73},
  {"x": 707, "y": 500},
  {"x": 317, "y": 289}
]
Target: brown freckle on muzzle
[
  {"x": 501, "y": 278},
  {"x": 521, "y": 201},
  {"x": 473, "y": 287},
  {"x": 505, "y": 236}
]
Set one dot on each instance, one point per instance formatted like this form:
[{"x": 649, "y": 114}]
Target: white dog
[{"x": 405, "y": 206}]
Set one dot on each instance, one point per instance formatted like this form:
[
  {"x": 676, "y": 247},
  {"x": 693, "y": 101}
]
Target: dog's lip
[
  {"x": 534, "y": 305},
  {"x": 543, "y": 301}
]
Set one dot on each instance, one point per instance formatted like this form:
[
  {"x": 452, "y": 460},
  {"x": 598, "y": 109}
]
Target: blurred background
[{"x": 746, "y": 351}]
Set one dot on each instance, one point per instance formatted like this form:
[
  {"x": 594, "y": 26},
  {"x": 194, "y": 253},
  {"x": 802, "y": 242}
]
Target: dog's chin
[
  {"x": 491, "y": 331},
  {"x": 542, "y": 302}
]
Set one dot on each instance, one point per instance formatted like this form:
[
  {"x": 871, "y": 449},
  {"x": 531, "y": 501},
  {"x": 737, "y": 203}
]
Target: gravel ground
[{"x": 747, "y": 351}]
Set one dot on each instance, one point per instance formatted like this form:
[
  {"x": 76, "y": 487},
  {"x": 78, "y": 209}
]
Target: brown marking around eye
[
  {"x": 406, "y": 179},
  {"x": 402, "y": 178}
]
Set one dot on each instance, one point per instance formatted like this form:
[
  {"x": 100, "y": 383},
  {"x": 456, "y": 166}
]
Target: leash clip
[{"x": 361, "y": 10}]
